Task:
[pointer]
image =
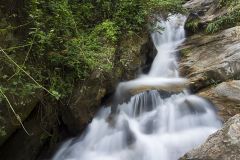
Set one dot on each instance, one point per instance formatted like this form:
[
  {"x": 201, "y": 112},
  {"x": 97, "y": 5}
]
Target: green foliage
[
  {"x": 69, "y": 39},
  {"x": 2, "y": 132},
  {"x": 193, "y": 25},
  {"x": 232, "y": 18},
  {"x": 107, "y": 30},
  {"x": 212, "y": 27},
  {"x": 166, "y": 6},
  {"x": 223, "y": 3}
]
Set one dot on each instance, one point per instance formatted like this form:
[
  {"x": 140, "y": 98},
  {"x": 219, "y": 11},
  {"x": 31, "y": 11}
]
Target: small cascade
[
  {"x": 166, "y": 43},
  {"x": 154, "y": 124}
]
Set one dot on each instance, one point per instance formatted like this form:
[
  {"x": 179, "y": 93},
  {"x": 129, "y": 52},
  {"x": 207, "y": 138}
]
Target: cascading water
[{"x": 153, "y": 125}]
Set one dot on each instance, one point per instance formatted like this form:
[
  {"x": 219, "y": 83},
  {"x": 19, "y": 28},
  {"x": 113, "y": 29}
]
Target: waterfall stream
[{"x": 153, "y": 125}]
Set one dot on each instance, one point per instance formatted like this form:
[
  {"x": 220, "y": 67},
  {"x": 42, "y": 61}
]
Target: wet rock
[
  {"x": 133, "y": 87},
  {"x": 84, "y": 103},
  {"x": 136, "y": 54},
  {"x": 148, "y": 53},
  {"x": 224, "y": 144},
  {"x": 226, "y": 97},
  {"x": 211, "y": 59}
]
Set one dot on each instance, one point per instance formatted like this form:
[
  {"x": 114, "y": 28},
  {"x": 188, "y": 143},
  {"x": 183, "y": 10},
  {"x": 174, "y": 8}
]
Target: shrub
[{"x": 68, "y": 39}]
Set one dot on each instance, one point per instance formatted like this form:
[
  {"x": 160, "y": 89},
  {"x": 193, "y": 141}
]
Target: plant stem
[
  {"x": 25, "y": 72},
  {"x": 15, "y": 114}
]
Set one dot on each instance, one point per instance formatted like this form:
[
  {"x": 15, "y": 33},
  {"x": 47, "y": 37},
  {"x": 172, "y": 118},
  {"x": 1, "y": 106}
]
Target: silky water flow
[{"x": 152, "y": 125}]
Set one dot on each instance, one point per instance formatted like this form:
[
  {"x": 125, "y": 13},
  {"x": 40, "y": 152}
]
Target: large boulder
[
  {"x": 226, "y": 97},
  {"x": 211, "y": 59},
  {"x": 222, "y": 145}
]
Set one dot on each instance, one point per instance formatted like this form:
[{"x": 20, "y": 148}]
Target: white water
[{"x": 152, "y": 125}]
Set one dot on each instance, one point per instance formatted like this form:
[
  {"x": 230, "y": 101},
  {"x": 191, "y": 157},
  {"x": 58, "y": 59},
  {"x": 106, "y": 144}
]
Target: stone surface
[
  {"x": 210, "y": 59},
  {"x": 222, "y": 145},
  {"x": 198, "y": 4},
  {"x": 226, "y": 97}
]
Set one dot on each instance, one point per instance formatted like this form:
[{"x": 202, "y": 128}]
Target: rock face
[
  {"x": 226, "y": 96},
  {"x": 210, "y": 59},
  {"x": 212, "y": 64},
  {"x": 222, "y": 145}
]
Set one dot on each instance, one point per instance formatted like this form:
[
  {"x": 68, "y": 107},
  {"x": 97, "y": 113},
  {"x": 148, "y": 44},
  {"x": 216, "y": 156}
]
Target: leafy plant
[
  {"x": 230, "y": 19},
  {"x": 193, "y": 25},
  {"x": 66, "y": 40}
]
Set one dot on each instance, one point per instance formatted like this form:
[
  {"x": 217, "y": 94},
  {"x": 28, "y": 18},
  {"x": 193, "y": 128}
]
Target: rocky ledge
[
  {"x": 222, "y": 145},
  {"x": 211, "y": 59},
  {"x": 226, "y": 96}
]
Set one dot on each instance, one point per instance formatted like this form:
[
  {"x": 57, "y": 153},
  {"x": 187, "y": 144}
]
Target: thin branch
[
  {"x": 25, "y": 72},
  {"x": 16, "y": 47},
  {"x": 15, "y": 114},
  {"x": 16, "y": 27},
  {"x": 31, "y": 44},
  {"x": 29, "y": 50}
]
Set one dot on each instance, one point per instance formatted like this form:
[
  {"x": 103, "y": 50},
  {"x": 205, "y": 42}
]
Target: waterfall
[{"x": 154, "y": 124}]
